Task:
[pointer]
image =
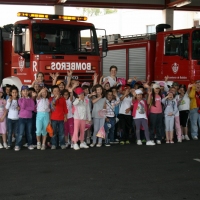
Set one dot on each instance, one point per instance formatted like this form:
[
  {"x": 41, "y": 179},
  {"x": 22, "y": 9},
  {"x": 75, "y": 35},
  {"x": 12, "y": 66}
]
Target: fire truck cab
[{"x": 49, "y": 44}]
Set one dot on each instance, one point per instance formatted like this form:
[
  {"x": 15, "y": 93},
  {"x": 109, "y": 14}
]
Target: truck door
[{"x": 176, "y": 62}]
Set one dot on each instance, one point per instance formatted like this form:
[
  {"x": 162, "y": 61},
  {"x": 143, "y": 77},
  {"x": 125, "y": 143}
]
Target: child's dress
[{"x": 2, "y": 111}]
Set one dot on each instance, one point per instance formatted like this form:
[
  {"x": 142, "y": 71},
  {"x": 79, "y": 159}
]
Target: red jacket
[
  {"x": 60, "y": 109},
  {"x": 135, "y": 105}
]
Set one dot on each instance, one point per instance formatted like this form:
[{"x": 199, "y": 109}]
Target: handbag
[
  {"x": 101, "y": 133},
  {"x": 49, "y": 130}
]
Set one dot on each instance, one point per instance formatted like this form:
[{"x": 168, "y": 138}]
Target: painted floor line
[{"x": 197, "y": 159}]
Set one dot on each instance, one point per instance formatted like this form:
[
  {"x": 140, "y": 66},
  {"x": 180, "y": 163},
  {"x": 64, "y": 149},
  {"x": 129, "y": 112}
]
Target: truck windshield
[
  {"x": 196, "y": 45},
  {"x": 64, "y": 39}
]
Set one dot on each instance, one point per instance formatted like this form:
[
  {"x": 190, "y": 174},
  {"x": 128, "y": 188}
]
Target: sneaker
[
  {"x": 150, "y": 143},
  {"x": 122, "y": 143},
  {"x": 13, "y": 139},
  {"x": 84, "y": 145},
  {"x": 158, "y": 142},
  {"x": 53, "y": 147},
  {"x": 5, "y": 145},
  {"x": 72, "y": 145},
  {"x": 63, "y": 146},
  {"x": 187, "y": 137},
  {"x": 107, "y": 144},
  {"x": 25, "y": 145},
  {"x": 139, "y": 142},
  {"x": 127, "y": 142},
  {"x": 92, "y": 145},
  {"x": 88, "y": 140},
  {"x": 1, "y": 146},
  {"x": 34, "y": 146},
  {"x": 144, "y": 141},
  {"x": 179, "y": 140},
  {"x": 76, "y": 147},
  {"x": 17, "y": 148},
  {"x": 43, "y": 147},
  {"x": 31, "y": 147},
  {"x": 99, "y": 145},
  {"x": 195, "y": 138},
  {"x": 167, "y": 141},
  {"x": 183, "y": 137},
  {"x": 66, "y": 144},
  {"x": 38, "y": 145},
  {"x": 116, "y": 140}
]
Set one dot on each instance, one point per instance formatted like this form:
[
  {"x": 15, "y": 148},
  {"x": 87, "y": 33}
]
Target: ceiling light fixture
[
  {"x": 62, "y": 1},
  {"x": 183, "y": 3}
]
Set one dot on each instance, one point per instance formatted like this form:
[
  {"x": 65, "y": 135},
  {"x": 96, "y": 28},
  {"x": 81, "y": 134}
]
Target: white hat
[
  {"x": 138, "y": 91},
  {"x": 156, "y": 86}
]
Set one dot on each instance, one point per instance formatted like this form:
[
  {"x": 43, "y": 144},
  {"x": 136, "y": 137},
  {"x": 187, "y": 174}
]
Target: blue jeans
[
  {"x": 12, "y": 128},
  {"x": 58, "y": 129},
  {"x": 25, "y": 125},
  {"x": 110, "y": 131},
  {"x": 194, "y": 118}
]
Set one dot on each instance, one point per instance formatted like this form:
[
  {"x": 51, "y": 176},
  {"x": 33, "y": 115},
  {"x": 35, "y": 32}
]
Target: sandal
[{"x": 172, "y": 142}]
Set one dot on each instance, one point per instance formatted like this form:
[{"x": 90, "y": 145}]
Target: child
[
  {"x": 58, "y": 117},
  {"x": 110, "y": 117},
  {"x": 183, "y": 102},
  {"x": 170, "y": 111},
  {"x": 86, "y": 90},
  {"x": 42, "y": 118},
  {"x": 140, "y": 116},
  {"x": 69, "y": 124},
  {"x": 26, "y": 106},
  {"x": 125, "y": 119},
  {"x": 3, "y": 113},
  {"x": 81, "y": 115},
  {"x": 13, "y": 114},
  {"x": 155, "y": 113},
  {"x": 98, "y": 101}
]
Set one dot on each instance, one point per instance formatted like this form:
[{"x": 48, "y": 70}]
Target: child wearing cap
[
  {"x": 58, "y": 116},
  {"x": 3, "y": 113},
  {"x": 81, "y": 115},
  {"x": 26, "y": 106},
  {"x": 125, "y": 119},
  {"x": 170, "y": 110},
  {"x": 140, "y": 116},
  {"x": 155, "y": 113}
]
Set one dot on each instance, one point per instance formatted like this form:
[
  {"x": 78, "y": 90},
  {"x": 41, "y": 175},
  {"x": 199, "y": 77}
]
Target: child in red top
[{"x": 58, "y": 117}]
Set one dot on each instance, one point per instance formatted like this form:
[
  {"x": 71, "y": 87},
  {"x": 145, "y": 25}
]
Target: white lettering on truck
[
  {"x": 70, "y": 66},
  {"x": 34, "y": 66}
]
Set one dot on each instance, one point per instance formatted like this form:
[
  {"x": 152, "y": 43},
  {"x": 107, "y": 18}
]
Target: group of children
[{"x": 77, "y": 114}]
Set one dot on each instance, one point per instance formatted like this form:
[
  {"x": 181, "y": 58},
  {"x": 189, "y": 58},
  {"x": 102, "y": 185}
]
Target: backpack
[{"x": 166, "y": 104}]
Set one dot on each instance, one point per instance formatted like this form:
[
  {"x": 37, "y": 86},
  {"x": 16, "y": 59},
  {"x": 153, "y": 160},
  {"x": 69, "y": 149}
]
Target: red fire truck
[
  {"x": 174, "y": 53},
  {"x": 48, "y": 43}
]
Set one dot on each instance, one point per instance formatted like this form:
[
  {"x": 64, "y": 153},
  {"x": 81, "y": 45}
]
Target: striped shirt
[{"x": 110, "y": 107}]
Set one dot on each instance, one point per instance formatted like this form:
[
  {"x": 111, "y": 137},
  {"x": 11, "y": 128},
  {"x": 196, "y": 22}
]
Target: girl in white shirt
[
  {"x": 13, "y": 114},
  {"x": 81, "y": 115},
  {"x": 42, "y": 118},
  {"x": 183, "y": 102}
]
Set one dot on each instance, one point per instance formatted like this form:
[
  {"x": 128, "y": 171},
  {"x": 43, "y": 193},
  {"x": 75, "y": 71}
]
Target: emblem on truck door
[
  {"x": 21, "y": 63},
  {"x": 175, "y": 67}
]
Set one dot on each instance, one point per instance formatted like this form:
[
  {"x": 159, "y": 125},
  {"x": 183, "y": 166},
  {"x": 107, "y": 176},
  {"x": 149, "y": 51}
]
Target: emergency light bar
[{"x": 47, "y": 16}]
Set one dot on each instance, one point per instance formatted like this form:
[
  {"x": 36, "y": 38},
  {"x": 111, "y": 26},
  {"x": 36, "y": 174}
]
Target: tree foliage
[{"x": 90, "y": 12}]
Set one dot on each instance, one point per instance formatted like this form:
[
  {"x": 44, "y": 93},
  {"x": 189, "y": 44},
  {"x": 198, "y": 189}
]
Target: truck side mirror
[
  {"x": 104, "y": 45},
  {"x": 18, "y": 44}
]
